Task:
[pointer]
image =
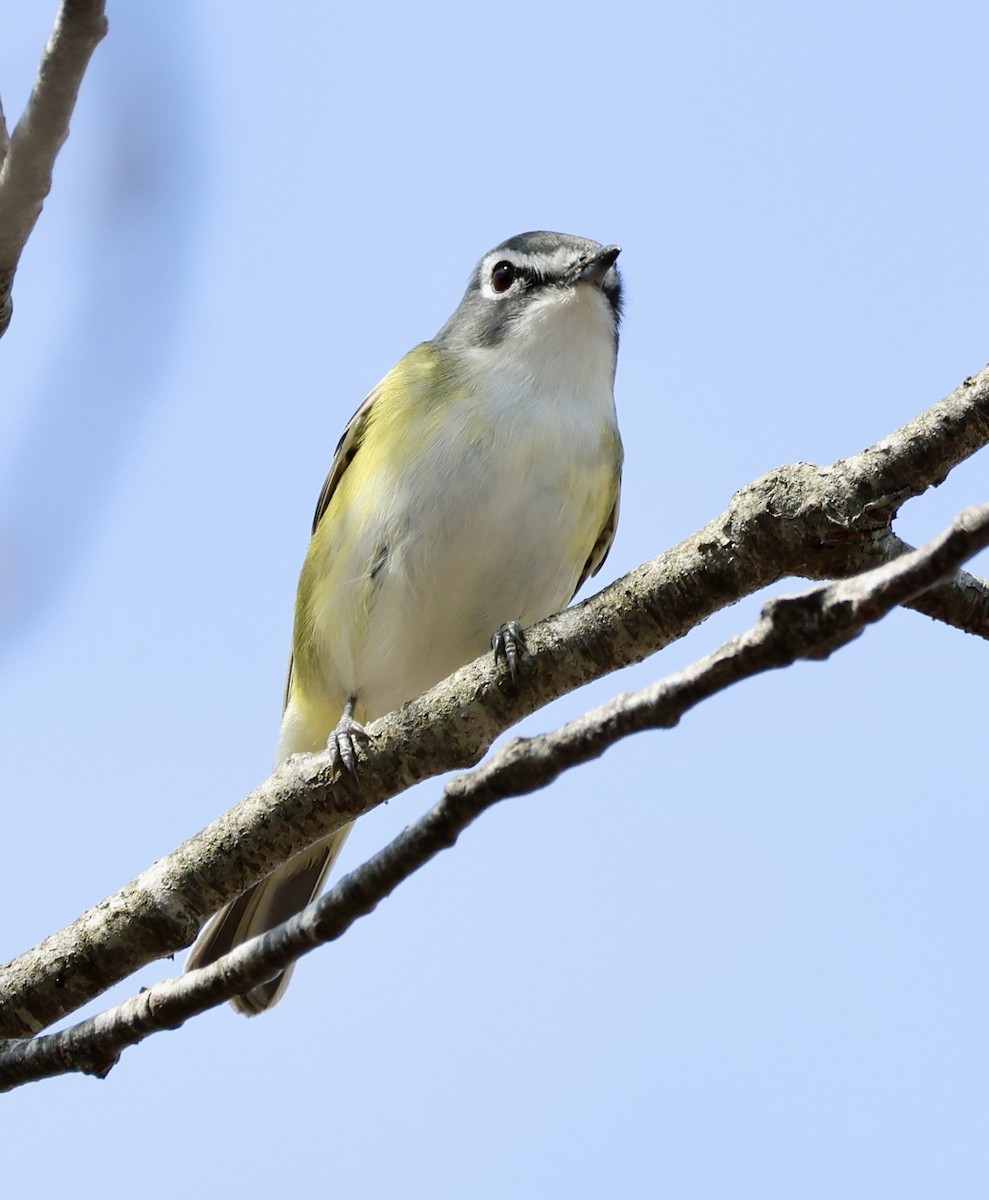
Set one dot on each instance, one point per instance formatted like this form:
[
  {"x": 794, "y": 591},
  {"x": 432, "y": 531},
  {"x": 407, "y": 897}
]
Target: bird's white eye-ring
[{"x": 502, "y": 276}]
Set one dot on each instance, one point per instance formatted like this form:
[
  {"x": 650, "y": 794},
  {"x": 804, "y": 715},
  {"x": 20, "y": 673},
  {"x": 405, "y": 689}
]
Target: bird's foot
[
  {"x": 509, "y": 643},
  {"x": 342, "y": 742}
]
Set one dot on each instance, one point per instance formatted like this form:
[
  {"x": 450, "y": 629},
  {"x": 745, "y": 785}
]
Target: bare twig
[
  {"x": 26, "y": 171},
  {"x": 962, "y": 601},
  {"x": 798, "y": 520},
  {"x": 808, "y": 626}
]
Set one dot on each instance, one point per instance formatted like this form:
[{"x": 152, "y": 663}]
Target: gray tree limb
[
  {"x": 27, "y": 157},
  {"x": 799, "y": 520},
  {"x": 808, "y": 626}
]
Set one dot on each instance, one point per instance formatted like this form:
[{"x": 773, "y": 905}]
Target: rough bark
[
  {"x": 809, "y": 626},
  {"x": 27, "y": 156},
  {"x": 816, "y": 522}
]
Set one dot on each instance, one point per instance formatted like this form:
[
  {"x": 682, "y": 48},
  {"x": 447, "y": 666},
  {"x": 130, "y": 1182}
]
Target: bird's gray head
[{"x": 530, "y": 278}]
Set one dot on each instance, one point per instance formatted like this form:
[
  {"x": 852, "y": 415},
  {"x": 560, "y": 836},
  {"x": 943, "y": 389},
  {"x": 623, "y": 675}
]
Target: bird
[{"x": 471, "y": 495}]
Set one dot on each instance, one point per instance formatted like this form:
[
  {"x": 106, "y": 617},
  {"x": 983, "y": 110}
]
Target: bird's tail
[{"x": 281, "y": 895}]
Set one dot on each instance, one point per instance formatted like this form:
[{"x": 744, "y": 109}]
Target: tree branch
[
  {"x": 798, "y": 520},
  {"x": 809, "y": 626},
  {"x": 26, "y": 171},
  {"x": 962, "y": 602}
]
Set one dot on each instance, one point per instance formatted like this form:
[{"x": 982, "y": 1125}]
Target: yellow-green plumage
[
  {"x": 401, "y": 418},
  {"x": 478, "y": 484},
  {"x": 458, "y": 560}
]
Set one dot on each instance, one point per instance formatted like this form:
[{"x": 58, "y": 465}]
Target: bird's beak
[{"x": 595, "y": 269}]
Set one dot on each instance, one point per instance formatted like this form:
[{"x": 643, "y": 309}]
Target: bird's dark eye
[{"x": 502, "y": 276}]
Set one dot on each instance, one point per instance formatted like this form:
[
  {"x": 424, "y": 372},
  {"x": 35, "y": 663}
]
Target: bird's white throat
[{"x": 561, "y": 347}]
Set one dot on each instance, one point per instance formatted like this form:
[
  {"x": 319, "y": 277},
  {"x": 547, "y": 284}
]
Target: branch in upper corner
[
  {"x": 834, "y": 522},
  {"x": 797, "y": 520},
  {"x": 808, "y": 626},
  {"x": 26, "y": 171}
]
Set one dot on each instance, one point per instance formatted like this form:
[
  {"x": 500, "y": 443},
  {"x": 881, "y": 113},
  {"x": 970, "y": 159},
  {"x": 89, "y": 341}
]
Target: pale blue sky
[{"x": 746, "y": 958}]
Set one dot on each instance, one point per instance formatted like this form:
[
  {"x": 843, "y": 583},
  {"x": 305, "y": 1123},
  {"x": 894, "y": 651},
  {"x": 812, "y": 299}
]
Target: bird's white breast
[{"x": 495, "y": 518}]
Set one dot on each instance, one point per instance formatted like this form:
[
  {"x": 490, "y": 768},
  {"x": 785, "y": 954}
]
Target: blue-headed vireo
[{"x": 473, "y": 491}]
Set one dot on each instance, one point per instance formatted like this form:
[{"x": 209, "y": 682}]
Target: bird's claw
[
  {"x": 342, "y": 744},
  {"x": 508, "y": 643}
]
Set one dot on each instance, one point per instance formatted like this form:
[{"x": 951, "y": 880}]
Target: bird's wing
[
  {"x": 599, "y": 552},
  {"x": 343, "y": 456}
]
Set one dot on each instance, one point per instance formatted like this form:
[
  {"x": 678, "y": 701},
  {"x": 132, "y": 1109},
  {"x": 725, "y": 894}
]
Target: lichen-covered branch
[
  {"x": 808, "y": 626},
  {"x": 27, "y": 158},
  {"x": 800, "y": 520}
]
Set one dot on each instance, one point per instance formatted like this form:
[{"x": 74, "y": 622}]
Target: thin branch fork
[
  {"x": 798, "y": 520},
  {"x": 27, "y": 157},
  {"x": 808, "y": 626}
]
